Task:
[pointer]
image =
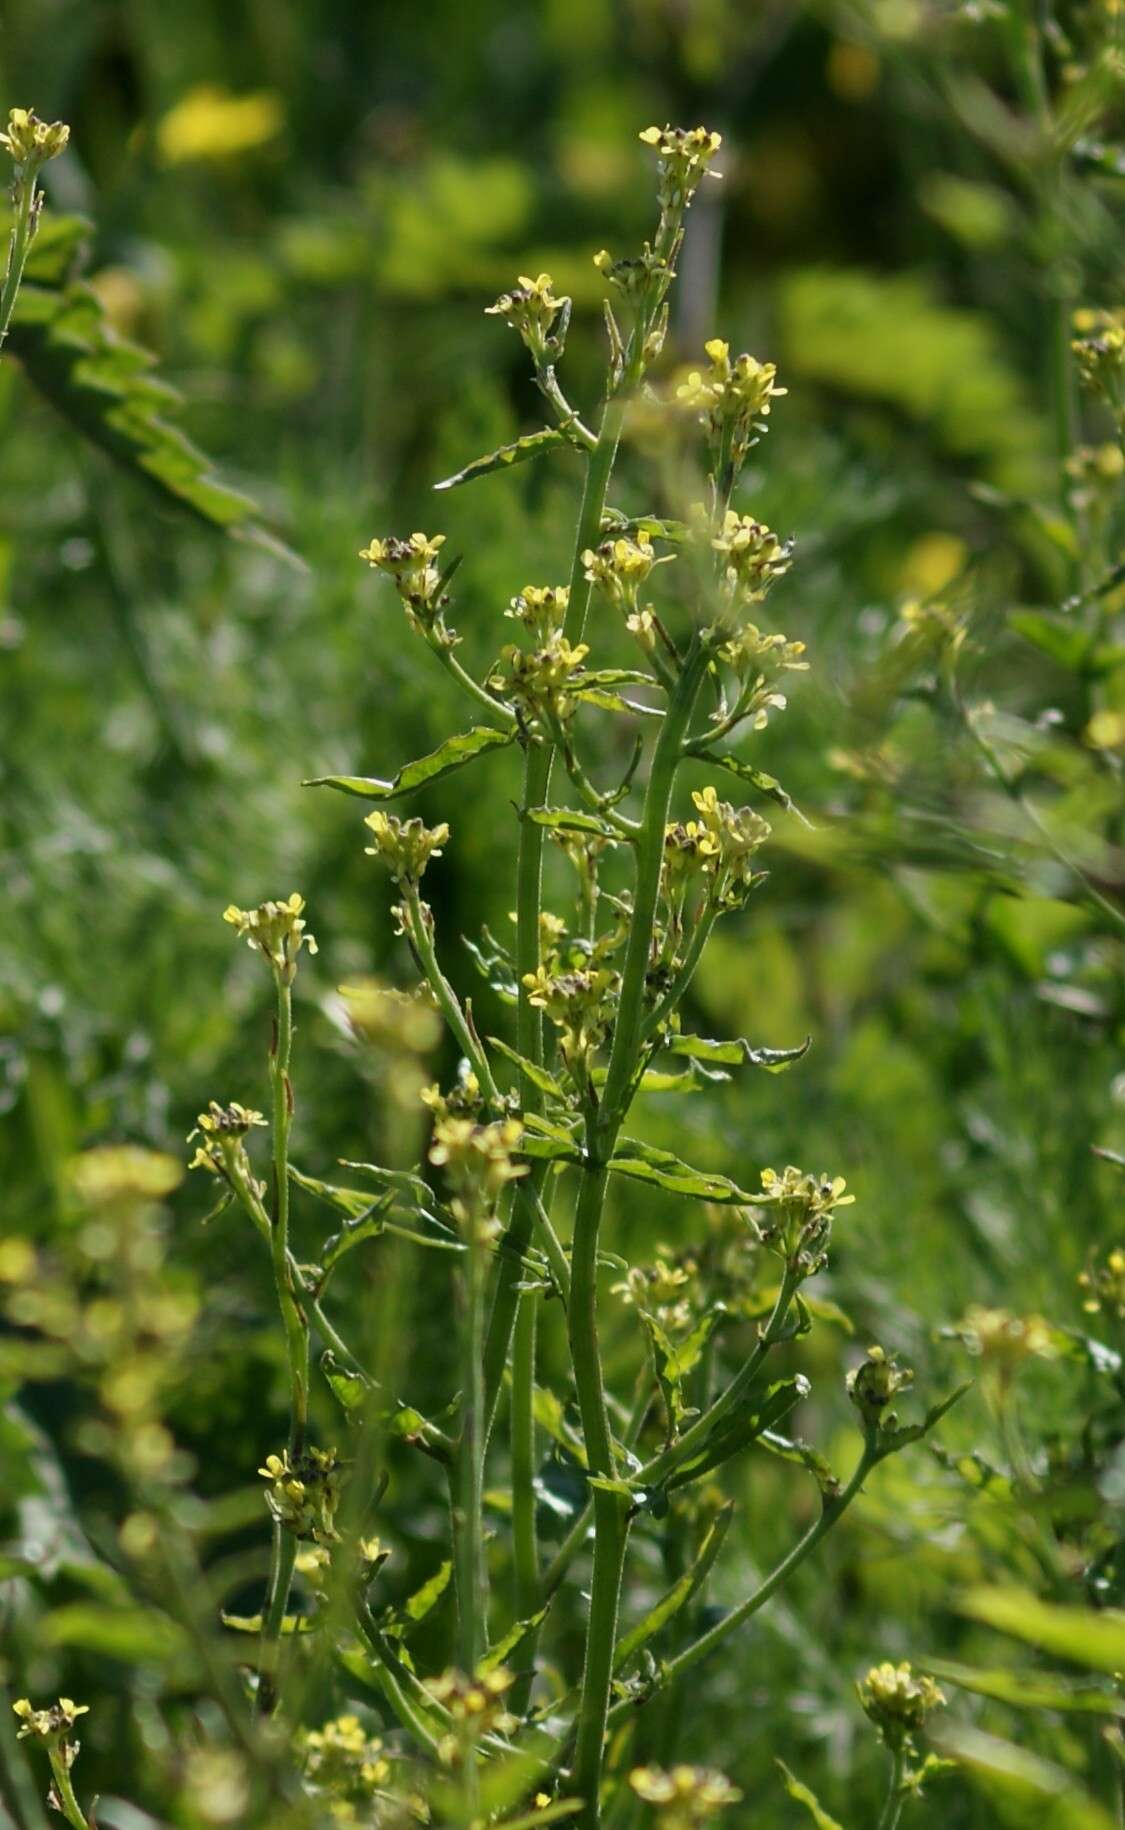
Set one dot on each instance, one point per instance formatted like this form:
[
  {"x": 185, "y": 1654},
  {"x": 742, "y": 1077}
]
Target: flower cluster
[
  {"x": 619, "y": 568},
  {"x": 51, "y": 1725},
  {"x": 1099, "y": 350},
  {"x": 31, "y": 141},
  {"x": 732, "y": 399},
  {"x": 404, "y": 846},
  {"x": 633, "y": 275},
  {"x": 799, "y": 1210},
  {"x": 479, "y": 1159},
  {"x": 662, "y": 1288},
  {"x": 532, "y": 309},
  {"x": 476, "y": 1706},
  {"x": 1003, "y": 1340},
  {"x": 1105, "y": 1286},
  {"x": 685, "y": 155},
  {"x": 757, "y": 657},
  {"x": 399, "y": 1022},
  {"x": 542, "y": 682},
  {"x": 898, "y": 1702},
  {"x": 221, "y": 1149},
  {"x": 580, "y": 1001},
  {"x": 752, "y": 555},
  {"x": 683, "y": 1796},
  {"x": 413, "y": 565},
  {"x": 342, "y": 1757},
  {"x": 719, "y": 847},
  {"x": 277, "y": 930},
  {"x": 873, "y": 1384},
  {"x": 540, "y": 609},
  {"x": 304, "y": 1492}
]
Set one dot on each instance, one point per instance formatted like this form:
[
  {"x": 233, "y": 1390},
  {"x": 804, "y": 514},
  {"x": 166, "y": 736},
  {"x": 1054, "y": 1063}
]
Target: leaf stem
[
  {"x": 23, "y": 230},
  {"x": 895, "y": 1795}
]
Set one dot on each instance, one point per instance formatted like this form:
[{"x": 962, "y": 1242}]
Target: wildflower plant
[{"x": 538, "y": 1123}]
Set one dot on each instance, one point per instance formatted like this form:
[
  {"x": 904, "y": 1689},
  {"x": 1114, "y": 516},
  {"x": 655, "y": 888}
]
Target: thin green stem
[
  {"x": 892, "y": 1808},
  {"x": 23, "y": 230},
  {"x": 496, "y": 708},
  {"x": 701, "y": 934},
  {"x": 296, "y": 1337},
  {"x": 69, "y": 1806},
  {"x": 662, "y": 1465},
  {"x": 422, "y": 939},
  {"x": 472, "y": 1593},
  {"x": 701, "y": 1648}
]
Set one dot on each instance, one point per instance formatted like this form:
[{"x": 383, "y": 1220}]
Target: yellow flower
[
  {"x": 275, "y": 929},
  {"x": 1105, "y": 1285},
  {"x": 32, "y": 141},
  {"x": 221, "y": 1150},
  {"x": 404, "y": 846},
  {"x": 112, "y": 1174},
  {"x": 532, "y": 309},
  {"x": 1002, "y": 1339},
  {"x": 897, "y": 1701},
  {"x": 685, "y": 156},
  {"x": 52, "y": 1725},
  {"x": 211, "y": 123},
  {"x": 753, "y": 554},
  {"x": 541, "y": 609},
  {"x": 683, "y": 1796}
]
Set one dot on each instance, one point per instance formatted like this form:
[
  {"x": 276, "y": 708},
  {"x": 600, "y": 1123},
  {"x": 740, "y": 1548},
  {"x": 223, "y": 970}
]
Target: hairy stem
[{"x": 23, "y": 229}]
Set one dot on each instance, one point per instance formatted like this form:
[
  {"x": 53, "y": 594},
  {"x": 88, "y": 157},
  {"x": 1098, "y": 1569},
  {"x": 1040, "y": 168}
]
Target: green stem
[
  {"x": 472, "y": 1594},
  {"x": 701, "y": 934},
  {"x": 496, "y": 708},
  {"x": 422, "y": 938},
  {"x": 69, "y": 1806},
  {"x": 296, "y": 1338},
  {"x": 663, "y": 1464},
  {"x": 23, "y": 229},
  {"x": 895, "y": 1795},
  {"x": 702, "y": 1647}
]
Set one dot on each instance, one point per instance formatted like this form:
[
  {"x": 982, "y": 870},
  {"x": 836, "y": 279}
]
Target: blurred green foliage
[{"x": 303, "y": 208}]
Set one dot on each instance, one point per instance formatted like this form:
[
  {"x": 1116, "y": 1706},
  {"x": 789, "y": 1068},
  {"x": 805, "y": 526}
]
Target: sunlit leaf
[
  {"x": 506, "y": 457},
  {"x": 756, "y": 778},
  {"x": 449, "y": 756},
  {"x": 1028, "y": 1689},
  {"x": 798, "y": 1790},
  {"x": 1086, "y": 1636},
  {"x": 737, "y": 1052},
  {"x": 646, "y": 1163}
]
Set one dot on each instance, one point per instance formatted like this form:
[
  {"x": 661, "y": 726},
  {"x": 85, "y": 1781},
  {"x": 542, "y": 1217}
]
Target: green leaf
[
  {"x": 1085, "y": 1636},
  {"x": 135, "y": 1635},
  {"x": 548, "y": 1141},
  {"x": 252, "y": 1623},
  {"x": 1028, "y": 1689},
  {"x": 507, "y": 1649},
  {"x": 351, "y": 1389},
  {"x": 730, "y": 1435},
  {"x": 1038, "y": 1791},
  {"x": 550, "y": 1416},
  {"x": 737, "y": 1052},
  {"x": 506, "y": 457},
  {"x": 797, "y": 1789},
  {"x": 681, "y": 1592},
  {"x": 354, "y": 1202},
  {"x": 538, "y": 1075},
  {"x": 645, "y": 1163},
  {"x": 793, "y": 1449},
  {"x": 106, "y": 388},
  {"x": 756, "y": 778},
  {"x": 673, "y": 1363},
  {"x": 1065, "y": 642},
  {"x": 449, "y": 756},
  {"x": 566, "y": 819},
  {"x": 397, "y": 1622}
]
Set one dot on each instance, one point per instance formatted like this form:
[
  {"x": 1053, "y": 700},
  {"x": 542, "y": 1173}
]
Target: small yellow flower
[
  {"x": 404, "y": 846},
  {"x": 541, "y": 609},
  {"x": 110, "y": 1175},
  {"x": 753, "y": 555},
  {"x": 211, "y": 123},
  {"x": 1003, "y": 1340},
  {"x": 31, "y": 141},
  {"x": 1105, "y": 1286},
  {"x": 683, "y": 1796},
  {"x": 532, "y": 310},
  {"x": 303, "y": 1493},
  {"x": 51, "y": 1725},
  {"x": 685, "y": 156},
  {"x": 221, "y": 1150},
  {"x": 275, "y": 929},
  {"x": 897, "y": 1701}
]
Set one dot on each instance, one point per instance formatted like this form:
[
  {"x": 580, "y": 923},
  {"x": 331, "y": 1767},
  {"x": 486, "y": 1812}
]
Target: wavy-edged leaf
[
  {"x": 567, "y": 819},
  {"x": 106, "y": 388},
  {"x": 646, "y": 1163},
  {"x": 449, "y": 756},
  {"x": 737, "y": 1052},
  {"x": 1028, "y": 1689},
  {"x": 800, "y": 1792},
  {"x": 506, "y": 457},
  {"x": 755, "y": 778},
  {"x": 681, "y": 1592},
  {"x": 538, "y": 1075},
  {"x": 1086, "y": 1636},
  {"x": 614, "y": 523}
]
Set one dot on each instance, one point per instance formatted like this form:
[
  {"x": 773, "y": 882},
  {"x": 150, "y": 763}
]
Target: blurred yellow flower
[
  {"x": 932, "y": 563},
  {"x": 211, "y": 123}
]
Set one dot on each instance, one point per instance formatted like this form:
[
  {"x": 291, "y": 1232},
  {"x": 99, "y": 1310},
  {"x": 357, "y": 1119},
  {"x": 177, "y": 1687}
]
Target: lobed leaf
[
  {"x": 737, "y": 1052},
  {"x": 449, "y": 756},
  {"x": 756, "y": 778}
]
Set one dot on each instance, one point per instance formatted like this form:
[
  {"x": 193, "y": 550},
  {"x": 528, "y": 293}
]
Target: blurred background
[{"x": 302, "y": 209}]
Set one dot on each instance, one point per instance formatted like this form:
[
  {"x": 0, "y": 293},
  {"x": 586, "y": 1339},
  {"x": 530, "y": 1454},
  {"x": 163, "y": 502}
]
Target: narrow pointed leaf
[
  {"x": 566, "y": 819},
  {"x": 733, "y": 1434},
  {"x": 1029, "y": 1689},
  {"x": 755, "y": 778},
  {"x": 539, "y": 1076},
  {"x": 1086, "y": 1636},
  {"x": 798, "y": 1790},
  {"x": 506, "y": 457},
  {"x": 450, "y": 756},
  {"x": 507, "y": 1649}
]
